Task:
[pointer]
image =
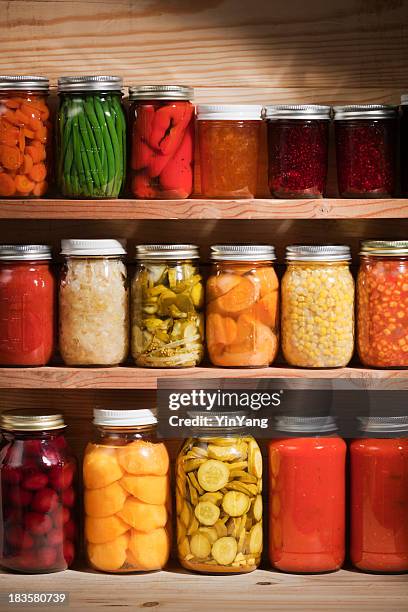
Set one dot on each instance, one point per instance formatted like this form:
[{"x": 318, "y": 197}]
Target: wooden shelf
[{"x": 392, "y": 208}]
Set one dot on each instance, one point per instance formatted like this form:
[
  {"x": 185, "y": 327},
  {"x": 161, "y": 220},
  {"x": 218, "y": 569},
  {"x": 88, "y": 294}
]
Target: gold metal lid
[
  {"x": 28, "y": 420},
  {"x": 388, "y": 248}
]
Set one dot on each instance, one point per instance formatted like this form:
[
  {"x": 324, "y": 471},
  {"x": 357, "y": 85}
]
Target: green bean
[
  {"x": 108, "y": 145},
  {"x": 86, "y": 148},
  {"x": 94, "y": 148},
  {"x": 116, "y": 146},
  {"x": 121, "y": 128},
  {"x": 78, "y": 158}
]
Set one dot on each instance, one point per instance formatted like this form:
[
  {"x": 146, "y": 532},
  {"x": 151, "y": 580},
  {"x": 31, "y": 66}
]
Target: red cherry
[
  {"x": 55, "y": 537},
  {"x": 44, "y": 500},
  {"x": 60, "y": 442},
  {"x": 61, "y": 477},
  {"x": 18, "y": 497},
  {"x": 69, "y": 530},
  {"x": 66, "y": 515},
  {"x": 46, "y": 557},
  {"x": 35, "y": 480},
  {"x": 28, "y": 561},
  {"x": 37, "y": 523},
  {"x": 69, "y": 552},
  {"x": 50, "y": 456},
  {"x": 11, "y": 475},
  {"x": 68, "y": 497},
  {"x": 33, "y": 447},
  {"x": 19, "y": 538}
]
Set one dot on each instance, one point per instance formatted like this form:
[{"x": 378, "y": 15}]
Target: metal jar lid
[
  {"x": 166, "y": 251},
  {"x": 161, "y": 92},
  {"x": 24, "y": 83},
  {"x": 390, "y": 248},
  {"x": 89, "y": 83},
  {"x": 79, "y": 247},
  {"x": 388, "y": 424},
  {"x": 124, "y": 418},
  {"x": 297, "y": 111},
  {"x": 29, "y": 252},
  {"x": 243, "y": 252},
  {"x": 329, "y": 252},
  {"x": 27, "y": 420},
  {"x": 306, "y": 424},
  {"x": 365, "y": 111},
  {"x": 229, "y": 112}
]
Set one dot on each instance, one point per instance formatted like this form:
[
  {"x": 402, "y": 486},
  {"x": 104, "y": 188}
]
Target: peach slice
[
  {"x": 109, "y": 556},
  {"x": 141, "y": 516},
  {"x": 149, "y": 551},
  {"x": 101, "y": 530},
  {"x": 104, "y": 501},
  {"x": 101, "y": 467},
  {"x": 141, "y": 457},
  {"x": 149, "y": 489}
]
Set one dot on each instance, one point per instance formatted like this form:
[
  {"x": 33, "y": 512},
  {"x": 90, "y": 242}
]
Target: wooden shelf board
[{"x": 392, "y": 208}]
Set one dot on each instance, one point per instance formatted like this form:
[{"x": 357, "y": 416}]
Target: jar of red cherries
[{"x": 38, "y": 472}]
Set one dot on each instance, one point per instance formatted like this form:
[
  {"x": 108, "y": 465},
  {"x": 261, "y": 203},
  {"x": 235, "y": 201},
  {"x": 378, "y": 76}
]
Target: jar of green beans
[{"x": 91, "y": 137}]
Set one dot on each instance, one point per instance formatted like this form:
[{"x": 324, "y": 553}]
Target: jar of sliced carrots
[
  {"x": 242, "y": 306},
  {"x": 25, "y": 136}
]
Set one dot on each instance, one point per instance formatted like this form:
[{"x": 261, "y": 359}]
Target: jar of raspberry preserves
[{"x": 38, "y": 527}]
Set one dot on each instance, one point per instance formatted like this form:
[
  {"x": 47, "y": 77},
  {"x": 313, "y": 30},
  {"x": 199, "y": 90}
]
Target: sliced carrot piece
[
  {"x": 12, "y": 103},
  {"x": 31, "y": 111},
  {"x": 221, "y": 283},
  {"x": 7, "y": 185},
  {"x": 36, "y": 151},
  {"x": 28, "y": 133},
  {"x": 21, "y": 141},
  {"x": 23, "y": 184},
  {"x": 241, "y": 297},
  {"x": 27, "y": 164},
  {"x": 22, "y": 118},
  {"x": 38, "y": 172},
  {"x": 9, "y": 134},
  {"x": 41, "y": 133},
  {"x": 45, "y": 113},
  {"x": 10, "y": 157},
  {"x": 40, "y": 189}
]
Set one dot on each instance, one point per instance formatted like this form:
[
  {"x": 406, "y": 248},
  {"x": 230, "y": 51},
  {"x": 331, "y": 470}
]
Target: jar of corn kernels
[{"x": 318, "y": 307}]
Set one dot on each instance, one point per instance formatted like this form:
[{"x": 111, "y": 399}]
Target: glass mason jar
[
  {"x": 298, "y": 142},
  {"x": 242, "y": 323},
  {"x": 27, "y": 305},
  {"x": 162, "y": 141},
  {"x": 382, "y": 304},
  {"x": 38, "y": 475},
  {"x": 366, "y": 148},
  {"x": 317, "y": 322},
  {"x": 25, "y": 136},
  {"x": 404, "y": 145},
  {"x": 126, "y": 498},
  {"x": 91, "y": 137},
  {"x": 229, "y": 141},
  {"x": 167, "y": 301},
  {"x": 93, "y": 303},
  {"x": 219, "y": 503},
  {"x": 307, "y": 495},
  {"x": 379, "y": 495}
]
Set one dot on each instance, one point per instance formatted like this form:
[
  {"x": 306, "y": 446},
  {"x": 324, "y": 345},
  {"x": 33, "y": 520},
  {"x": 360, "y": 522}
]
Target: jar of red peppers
[
  {"x": 366, "y": 146},
  {"x": 382, "y": 304},
  {"x": 38, "y": 529},
  {"x": 162, "y": 141},
  {"x": 25, "y": 136},
  {"x": 379, "y": 495},
  {"x": 404, "y": 145},
  {"x": 298, "y": 137},
  {"x": 307, "y": 495},
  {"x": 27, "y": 305}
]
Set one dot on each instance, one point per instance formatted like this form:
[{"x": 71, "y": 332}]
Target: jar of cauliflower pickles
[
  {"x": 317, "y": 322},
  {"x": 167, "y": 300},
  {"x": 93, "y": 303},
  {"x": 219, "y": 503}
]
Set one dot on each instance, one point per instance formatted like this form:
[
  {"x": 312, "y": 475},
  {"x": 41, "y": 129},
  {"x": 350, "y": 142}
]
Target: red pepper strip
[
  {"x": 178, "y": 173},
  {"x": 168, "y": 127},
  {"x": 157, "y": 164},
  {"x": 144, "y": 122},
  {"x": 142, "y": 154},
  {"x": 141, "y": 186}
]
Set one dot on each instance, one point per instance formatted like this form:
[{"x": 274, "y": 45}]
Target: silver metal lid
[
  {"x": 229, "y": 112},
  {"x": 365, "y": 111},
  {"x": 22, "y": 82},
  {"x": 81, "y": 247},
  {"x": 297, "y": 111},
  {"x": 89, "y": 83},
  {"x": 124, "y": 418},
  {"x": 388, "y": 424},
  {"x": 324, "y": 252},
  {"x": 306, "y": 424},
  {"x": 33, "y": 252},
  {"x": 243, "y": 252},
  {"x": 161, "y": 92},
  {"x": 166, "y": 251},
  {"x": 27, "y": 420},
  {"x": 390, "y": 248}
]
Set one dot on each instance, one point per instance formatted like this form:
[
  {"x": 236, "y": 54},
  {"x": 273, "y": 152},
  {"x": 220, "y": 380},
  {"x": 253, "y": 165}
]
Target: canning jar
[
  {"x": 91, "y": 137},
  {"x": 242, "y": 306},
  {"x": 318, "y": 307},
  {"x": 27, "y": 305},
  {"x": 307, "y": 495},
  {"x": 93, "y": 303},
  {"x": 366, "y": 148},
  {"x": 379, "y": 495},
  {"x": 298, "y": 140},
  {"x": 404, "y": 145},
  {"x": 167, "y": 301},
  {"x": 229, "y": 141},
  {"x": 38, "y": 474},
  {"x": 162, "y": 141},
  {"x": 126, "y": 497},
  {"x": 25, "y": 136},
  {"x": 219, "y": 503},
  {"x": 382, "y": 304}
]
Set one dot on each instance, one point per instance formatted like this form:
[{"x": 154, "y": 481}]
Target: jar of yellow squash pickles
[
  {"x": 317, "y": 323},
  {"x": 219, "y": 503},
  {"x": 126, "y": 497}
]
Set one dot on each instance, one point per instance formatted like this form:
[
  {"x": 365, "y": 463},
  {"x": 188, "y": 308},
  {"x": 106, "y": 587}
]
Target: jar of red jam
[
  {"x": 404, "y": 145},
  {"x": 161, "y": 130},
  {"x": 27, "y": 305},
  {"x": 298, "y": 137},
  {"x": 307, "y": 495},
  {"x": 229, "y": 142},
  {"x": 379, "y": 495},
  {"x": 382, "y": 304},
  {"x": 366, "y": 146},
  {"x": 38, "y": 527}
]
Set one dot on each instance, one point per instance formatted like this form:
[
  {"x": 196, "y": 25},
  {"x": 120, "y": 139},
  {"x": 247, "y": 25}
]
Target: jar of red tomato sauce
[
  {"x": 27, "y": 305},
  {"x": 382, "y": 304},
  {"x": 162, "y": 141},
  {"x": 38, "y": 526},
  {"x": 298, "y": 140},
  {"x": 379, "y": 495},
  {"x": 307, "y": 495}
]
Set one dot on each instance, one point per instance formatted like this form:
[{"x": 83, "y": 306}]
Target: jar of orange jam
[
  {"x": 382, "y": 304},
  {"x": 228, "y": 136}
]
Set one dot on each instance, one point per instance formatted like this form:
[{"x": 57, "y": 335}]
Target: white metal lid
[
  {"x": 315, "y": 252},
  {"x": 82, "y": 247},
  {"x": 388, "y": 424},
  {"x": 243, "y": 252},
  {"x": 24, "y": 83},
  {"x": 240, "y": 112},
  {"x": 166, "y": 251},
  {"x": 124, "y": 418},
  {"x": 297, "y": 111},
  {"x": 306, "y": 424},
  {"x": 161, "y": 92},
  {"x": 90, "y": 83},
  {"x": 28, "y": 252}
]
